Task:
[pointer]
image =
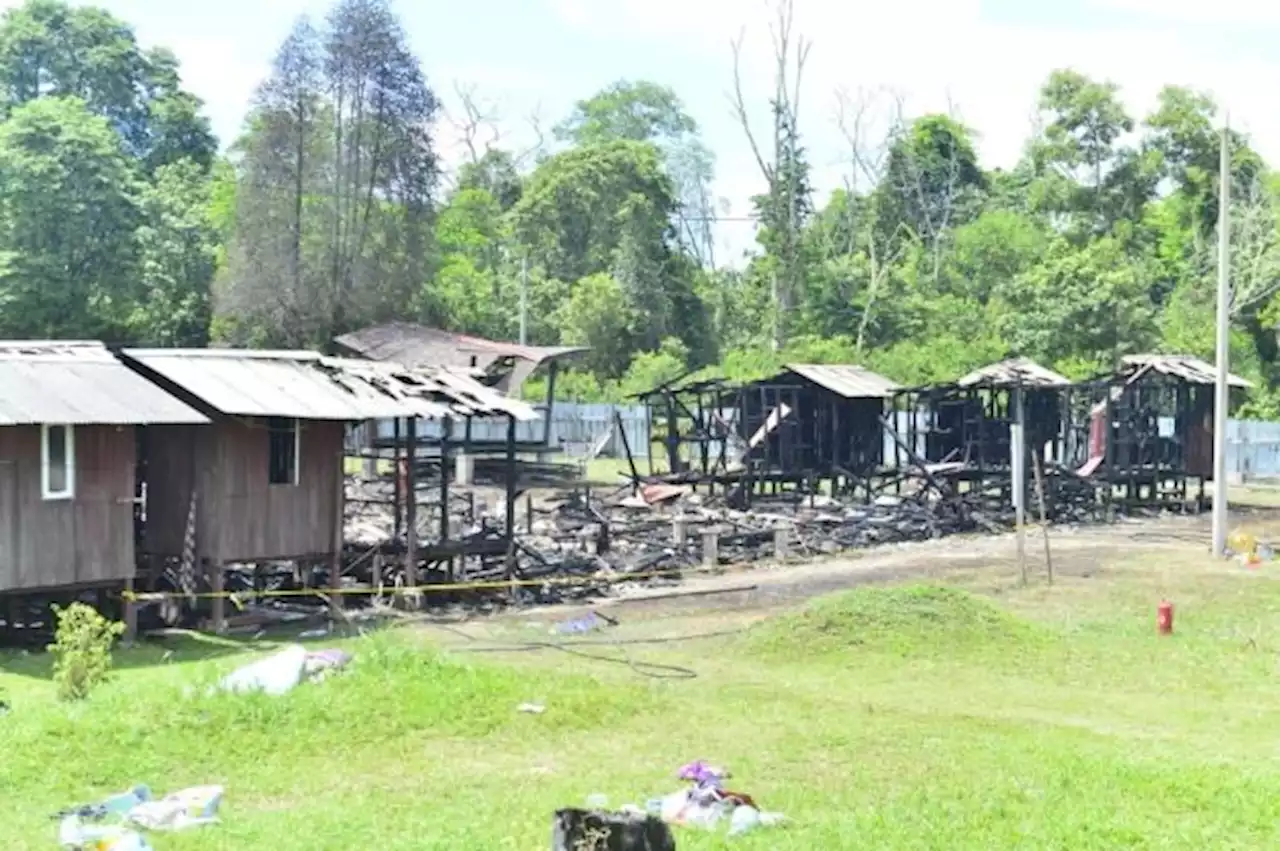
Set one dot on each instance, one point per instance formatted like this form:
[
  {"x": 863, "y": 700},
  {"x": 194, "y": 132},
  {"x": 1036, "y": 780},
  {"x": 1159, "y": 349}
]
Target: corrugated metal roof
[
  {"x": 306, "y": 385},
  {"x": 419, "y": 346},
  {"x": 847, "y": 380},
  {"x": 1188, "y": 368},
  {"x": 1014, "y": 372},
  {"x": 80, "y": 383},
  {"x": 437, "y": 392}
]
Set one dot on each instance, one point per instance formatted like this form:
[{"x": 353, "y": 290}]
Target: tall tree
[
  {"x": 106, "y": 130},
  {"x": 643, "y": 111},
  {"x": 68, "y": 215},
  {"x": 1088, "y": 177},
  {"x": 336, "y": 180},
  {"x": 50, "y": 49},
  {"x": 932, "y": 184}
]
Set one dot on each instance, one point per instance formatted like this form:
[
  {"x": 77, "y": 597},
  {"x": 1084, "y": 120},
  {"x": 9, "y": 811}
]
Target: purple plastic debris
[{"x": 702, "y": 773}]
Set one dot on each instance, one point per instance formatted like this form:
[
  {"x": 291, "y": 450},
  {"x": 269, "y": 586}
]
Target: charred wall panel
[
  {"x": 85, "y": 539},
  {"x": 1199, "y": 433}
]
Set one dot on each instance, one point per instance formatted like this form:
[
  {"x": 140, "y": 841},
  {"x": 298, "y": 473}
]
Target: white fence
[
  {"x": 573, "y": 425},
  {"x": 1253, "y": 449}
]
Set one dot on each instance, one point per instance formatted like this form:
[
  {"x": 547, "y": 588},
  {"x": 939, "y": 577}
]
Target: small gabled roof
[
  {"x": 848, "y": 380},
  {"x": 1188, "y": 368},
  {"x": 80, "y": 383},
  {"x": 1014, "y": 372}
]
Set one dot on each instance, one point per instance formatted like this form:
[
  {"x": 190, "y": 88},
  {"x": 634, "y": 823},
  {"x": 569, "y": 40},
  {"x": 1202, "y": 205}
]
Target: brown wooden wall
[
  {"x": 1198, "y": 441},
  {"x": 241, "y": 516},
  {"x": 86, "y": 539}
]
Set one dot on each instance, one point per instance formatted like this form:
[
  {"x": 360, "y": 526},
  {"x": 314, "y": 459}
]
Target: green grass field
[{"x": 885, "y": 717}]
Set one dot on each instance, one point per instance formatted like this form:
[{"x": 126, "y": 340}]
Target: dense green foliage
[{"x": 119, "y": 220}]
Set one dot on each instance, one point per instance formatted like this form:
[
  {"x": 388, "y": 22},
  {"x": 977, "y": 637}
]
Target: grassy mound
[{"x": 907, "y": 620}]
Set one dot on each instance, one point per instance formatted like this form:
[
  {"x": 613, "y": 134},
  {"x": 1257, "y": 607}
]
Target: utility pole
[
  {"x": 524, "y": 300},
  {"x": 1221, "y": 397}
]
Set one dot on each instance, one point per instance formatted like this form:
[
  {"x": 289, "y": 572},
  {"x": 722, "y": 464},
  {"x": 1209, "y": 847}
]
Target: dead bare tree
[
  {"x": 1255, "y": 250},
  {"x": 858, "y": 116},
  {"x": 936, "y": 202},
  {"x": 791, "y": 52},
  {"x": 531, "y": 153},
  {"x": 477, "y": 121}
]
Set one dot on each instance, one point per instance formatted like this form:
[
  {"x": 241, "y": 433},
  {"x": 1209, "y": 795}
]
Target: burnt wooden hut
[
  {"x": 1150, "y": 430},
  {"x": 968, "y": 423},
  {"x": 70, "y": 417},
  {"x": 815, "y": 422}
]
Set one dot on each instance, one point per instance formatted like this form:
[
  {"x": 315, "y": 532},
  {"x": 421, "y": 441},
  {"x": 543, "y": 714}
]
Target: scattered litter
[
  {"x": 597, "y": 801},
  {"x": 72, "y": 834},
  {"x": 702, "y": 773},
  {"x": 587, "y": 623},
  {"x": 531, "y": 708},
  {"x": 178, "y": 811},
  {"x": 706, "y": 803},
  {"x": 136, "y": 810},
  {"x": 280, "y": 673}
]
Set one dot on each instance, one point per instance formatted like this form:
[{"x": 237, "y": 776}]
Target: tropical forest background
[{"x": 123, "y": 218}]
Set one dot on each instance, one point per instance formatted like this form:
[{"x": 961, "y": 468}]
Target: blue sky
[{"x": 983, "y": 59}]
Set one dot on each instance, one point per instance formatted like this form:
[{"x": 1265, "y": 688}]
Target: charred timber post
[
  {"x": 512, "y": 486},
  {"x": 1018, "y": 470},
  {"x": 396, "y": 495},
  {"x": 411, "y": 504},
  {"x": 626, "y": 447},
  {"x": 446, "y": 435},
  {"x": 552, "y": 371},
  {"x": 336, "y": 537}
]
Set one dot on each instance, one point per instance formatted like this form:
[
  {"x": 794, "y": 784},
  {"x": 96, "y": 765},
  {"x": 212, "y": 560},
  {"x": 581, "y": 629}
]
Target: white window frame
[
  {"x": 69, "y": 450},
  {"x": 297, "y": 454}
]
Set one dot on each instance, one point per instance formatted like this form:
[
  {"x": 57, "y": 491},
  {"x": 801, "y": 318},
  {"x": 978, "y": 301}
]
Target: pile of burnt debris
[{"x": 578, "y": 543}]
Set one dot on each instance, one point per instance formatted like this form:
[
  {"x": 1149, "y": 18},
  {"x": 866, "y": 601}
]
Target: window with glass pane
[{"x": 57, "y": 462}]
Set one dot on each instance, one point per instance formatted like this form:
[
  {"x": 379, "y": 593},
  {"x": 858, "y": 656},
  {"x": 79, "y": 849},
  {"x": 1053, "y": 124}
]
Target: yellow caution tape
[{"x": 433, "y": 588}]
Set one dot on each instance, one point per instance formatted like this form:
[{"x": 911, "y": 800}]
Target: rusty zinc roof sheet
[
  {"x": 80, "y": 383},
  {"x": 847, "y": 380},
  {"x": 1014, "y": 372}
]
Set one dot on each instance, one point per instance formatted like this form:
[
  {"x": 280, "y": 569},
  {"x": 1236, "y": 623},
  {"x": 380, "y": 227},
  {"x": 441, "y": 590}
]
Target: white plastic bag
[{"x": 275, "y": 675}]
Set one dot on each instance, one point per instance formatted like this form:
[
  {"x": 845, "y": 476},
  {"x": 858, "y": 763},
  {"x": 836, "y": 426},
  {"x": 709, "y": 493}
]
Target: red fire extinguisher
[{"x": 1164, "y": 617}]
